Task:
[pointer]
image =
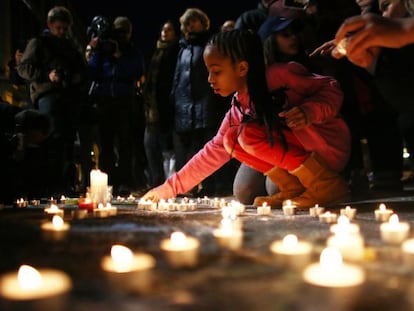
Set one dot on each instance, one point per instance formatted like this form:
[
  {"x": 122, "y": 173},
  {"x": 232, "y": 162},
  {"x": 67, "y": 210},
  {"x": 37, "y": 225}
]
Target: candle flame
[
  {"x": 178, "y": 238},
  {"x": 29, "y": 278},
  {"x": 343, "y": 221},
  {"x": 330, "y": 258},
  {"x": 382, "y": 207},
  {"x": 394, "y": 219},
  {"x": 290, "y": 241},
  {"x": 53, "y": 208},
  {"x": 57, "y": 222},
  {"x": 122, "y": 257}
]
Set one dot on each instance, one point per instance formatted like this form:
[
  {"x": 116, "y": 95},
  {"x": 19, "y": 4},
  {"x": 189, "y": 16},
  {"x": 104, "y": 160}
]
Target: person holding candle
[{"x": 301, "y": 145}]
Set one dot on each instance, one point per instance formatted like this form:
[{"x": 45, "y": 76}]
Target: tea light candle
[
  {"x": 347, "y": 239},
  {"x": 86, "y": 204},
  {"x": 181, "y": 250},
  {"x": 288, "y": 208},
  {"x": 45, "y": 287},
  {"x": 330, "y": 271},
  {"x": 22, "y": 203},
  {"x": 106, "y": 210},
  {"x": 348, "y": 211},
  {"x": 344, "y": 226},
  {"x": 127, "y": 270},
  {"x": 328, "y": 217},
  {"x": 383, "y": 213},
  {"x": 54, "y": 210},
  {"x": 228, "y": 235},
  {"x": 148, "y": 205},
  {"x": 407, "y": 248},
  {"x": 316, "y": 210},
  {"x": 264, "y": 209},
  {"x": 291, "y": 252},
  {"x": 394, "y": 231},
  {"x": 55, "y": 229}
]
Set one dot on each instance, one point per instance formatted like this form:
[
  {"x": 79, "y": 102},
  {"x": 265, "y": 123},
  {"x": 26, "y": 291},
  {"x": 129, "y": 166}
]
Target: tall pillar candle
[{"x": 99, "y": 186}]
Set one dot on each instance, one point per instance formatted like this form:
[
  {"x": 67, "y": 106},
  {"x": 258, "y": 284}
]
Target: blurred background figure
[
  {"x": 55, "y": 68},
  {"x": 115, "y": 69},
  {"x": 158, "y": 106}
]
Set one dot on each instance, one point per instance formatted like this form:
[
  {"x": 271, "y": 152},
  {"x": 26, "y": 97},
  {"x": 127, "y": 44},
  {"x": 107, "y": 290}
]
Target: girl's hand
[{"x": 295, "y": 118}]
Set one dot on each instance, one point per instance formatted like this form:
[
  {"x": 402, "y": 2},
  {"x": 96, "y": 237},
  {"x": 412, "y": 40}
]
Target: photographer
[
  {"x": 115, "y": 68},
  {"x": 55, "y": 69}
]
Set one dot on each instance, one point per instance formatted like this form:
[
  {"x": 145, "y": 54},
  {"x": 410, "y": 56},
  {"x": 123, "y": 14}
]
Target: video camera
[{"x": 101, "y": 27}]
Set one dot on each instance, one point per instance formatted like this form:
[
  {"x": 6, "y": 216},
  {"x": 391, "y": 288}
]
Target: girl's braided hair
[{"x": 243, "y": 45}]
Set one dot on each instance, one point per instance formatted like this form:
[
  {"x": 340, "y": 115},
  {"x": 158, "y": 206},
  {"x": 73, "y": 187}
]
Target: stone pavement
[{"x": 246, "y": 279}]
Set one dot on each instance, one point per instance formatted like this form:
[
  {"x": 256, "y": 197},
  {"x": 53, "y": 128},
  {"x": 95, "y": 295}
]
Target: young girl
[{"x": 301, "y": 148}]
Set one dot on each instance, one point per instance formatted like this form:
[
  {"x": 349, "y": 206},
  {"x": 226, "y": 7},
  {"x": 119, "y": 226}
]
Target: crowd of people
[{"x": 269, "y": 107}]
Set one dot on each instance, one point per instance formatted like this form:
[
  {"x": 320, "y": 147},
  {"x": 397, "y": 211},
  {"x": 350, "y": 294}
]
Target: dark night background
[{"x": 146, "y": 16}]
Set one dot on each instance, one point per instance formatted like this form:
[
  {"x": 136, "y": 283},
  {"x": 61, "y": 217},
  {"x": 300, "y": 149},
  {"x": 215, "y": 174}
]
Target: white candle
[
  {"x": 328, "y": 217},
  {"x": 264, "y": 209},
  {"x": 407, "y": 248},
  {"x": 228, "y": 235},
  {"x": 292, "y": 252},
  {"x": 316, "y": 210},
  {"x": 53, "y": 209},
  {"x": 22, "y": 203},
  {"x": 56, "y": 229},
  {"x": 30, "y": 284},
  {"x": 383, "y": 213},
  {"x": 394, "y": 231},
  {"x": 330, "y": 271},
  {"x": 106, "y": 210},
  {"x": 288, "y": 208},
  {"x": 348, "y": 211},
  {"x": 181, "y": 250},
  {"x": 347, "y": 239},
  {"x": 344, "y": 226},
  {"x": 99, "y": 186}
]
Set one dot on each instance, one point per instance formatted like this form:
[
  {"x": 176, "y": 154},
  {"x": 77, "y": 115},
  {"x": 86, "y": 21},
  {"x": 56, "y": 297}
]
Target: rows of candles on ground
[{"x": 339, "y": 264}]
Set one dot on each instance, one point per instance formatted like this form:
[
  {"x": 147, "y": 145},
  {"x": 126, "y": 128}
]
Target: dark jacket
[
  {"x": 158, "y": 84},
  {"x": 47, "y": 52},
  {"x": 195, "y": 101}
]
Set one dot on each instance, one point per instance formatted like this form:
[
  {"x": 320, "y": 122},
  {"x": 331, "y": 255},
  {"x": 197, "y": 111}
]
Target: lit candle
[
  {"x": 56, "y": 229},
  {"x": 394, "y": 231},
  {"x": 53, "y": 209},
  {"x": 46, "y": 288},
  {"x": 99, "y": 186},
  {"x": 328, "y": 217},
  {"x": 288, "y": 208},
  {"x": 291, "y": 252},
  {"x": 344, "y": 226},
  {"x": 128, "y": 271},
  {"x": 22, "y": 203},
  {"x": 106, "y": 210},
  {"x": 316, "y": 210},
  {"x": 148, "y": 205},
  {"x": 347, "y": 239},
  {"x": 86, "y": 204},
  {"x": 407, "y": 248},
  {"x": 264, "y": 209},
  {"x": 331, "y": 271},
  {"x": 348, "y": 211},
  {"x": 383, "y": 213},
  {"x": 181, "y": 250},
  {"x": 228, "y": 235}
]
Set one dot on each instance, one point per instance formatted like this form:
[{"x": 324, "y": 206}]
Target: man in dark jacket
[{"x": 55, "y": 69}]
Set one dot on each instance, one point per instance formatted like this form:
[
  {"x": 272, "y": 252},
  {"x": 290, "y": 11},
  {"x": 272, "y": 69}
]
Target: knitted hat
[{"x": 122, "y": 22}]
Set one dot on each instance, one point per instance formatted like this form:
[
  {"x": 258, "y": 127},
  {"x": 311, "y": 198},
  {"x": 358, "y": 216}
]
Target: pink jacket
[{"x": 328, "y": 135}]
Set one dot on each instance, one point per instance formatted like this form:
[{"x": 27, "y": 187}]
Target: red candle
[{"x": 85, "y": 203}]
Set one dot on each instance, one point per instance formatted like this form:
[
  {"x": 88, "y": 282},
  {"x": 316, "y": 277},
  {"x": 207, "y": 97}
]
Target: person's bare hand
[
  {"x": 295, "y": 118},
  {"x": 323, "y": 50},
  {"x": 151, "y": 195}
]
